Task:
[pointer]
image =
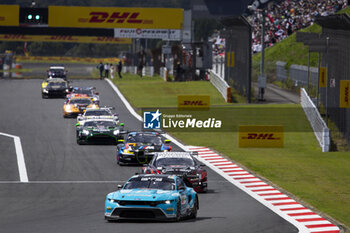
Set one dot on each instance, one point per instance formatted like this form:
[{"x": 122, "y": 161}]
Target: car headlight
[
  {"x": 85, "y": 132},
  {"x": 128, "y": 152},
  {"x": 45, "y": 90},
  {"x": 116, "y": 132},
  {"x": 68, "y": 108},
  {"x": 167, "y": 202}
]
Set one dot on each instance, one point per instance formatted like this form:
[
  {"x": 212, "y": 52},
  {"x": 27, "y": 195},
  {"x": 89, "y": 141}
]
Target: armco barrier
[
  {"x": 221, "y": 86},
  {"x": 318, "y": 125},
  {"x": 129, "y": 69},
  {"x": 148, "y": 71}
]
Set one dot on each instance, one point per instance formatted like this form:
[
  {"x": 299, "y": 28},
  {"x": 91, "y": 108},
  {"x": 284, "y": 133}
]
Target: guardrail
[
  {"x": 221, "y": 86},
  {"x": 148, "y": 71},
  {"x": 320, "y": 128},
  {"x": 129, "y": 69}
]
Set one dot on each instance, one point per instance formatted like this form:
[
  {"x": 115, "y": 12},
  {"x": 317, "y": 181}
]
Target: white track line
[
  {"x": 23, "y": 176},
  {"x": 274, "y": 203}
]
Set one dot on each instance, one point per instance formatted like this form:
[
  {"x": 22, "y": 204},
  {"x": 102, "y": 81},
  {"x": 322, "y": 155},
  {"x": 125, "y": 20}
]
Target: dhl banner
[
  {"x": 228, "y": 59},
  {"x": 322, "y": 80},
  {"x": 9, "y": 15},
  {"x": 344, "y": 94},
  {"x": 260, "y": 136},
  {"x": 232, "y": 62},
  {"x": 230, "y": 56},
  {"x": 193, "y": 101},
  {"x": 68, "y": 39},
  {"x": 115, "y": 17}
]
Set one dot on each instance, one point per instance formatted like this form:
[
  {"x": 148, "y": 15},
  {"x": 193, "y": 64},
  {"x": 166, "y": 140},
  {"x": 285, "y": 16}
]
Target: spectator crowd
[{"x": 287, "y": 16}]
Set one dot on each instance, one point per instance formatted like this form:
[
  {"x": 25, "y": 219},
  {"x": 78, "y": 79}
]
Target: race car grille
[
  {"x": 56, "y": 92},
  {"x": 177, "y": 173},
  {"x": 148, "y": 203},
  {"x": 138, "y": 213},
  {"x": 102, "y": 139}
]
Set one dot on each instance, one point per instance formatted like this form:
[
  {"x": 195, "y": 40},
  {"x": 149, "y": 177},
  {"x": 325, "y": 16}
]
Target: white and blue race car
[{"x": 152, "y": 197}]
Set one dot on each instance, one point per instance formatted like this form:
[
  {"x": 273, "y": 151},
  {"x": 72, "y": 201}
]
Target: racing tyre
[
  {"x": 194, "y": 208},
  {"x": 80, "y": 142},
  {"x": 178, "y": 211},
  {"x": 118, "y": 161}
]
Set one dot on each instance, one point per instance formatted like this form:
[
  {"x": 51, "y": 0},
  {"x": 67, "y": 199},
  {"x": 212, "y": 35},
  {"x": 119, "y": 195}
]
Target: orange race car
[{"x": 77, "y": 105}]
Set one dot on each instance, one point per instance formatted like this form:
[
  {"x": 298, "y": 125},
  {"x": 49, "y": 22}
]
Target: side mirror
[
  {"x": 145, "y": 165},
  {"x": 97, "y": 93},
  {"x": 167, "y": 141},
  {"x": 202, "y": 165},
  {"x": 120, "y": 186},
  {"x": 121, "y": 124},
  {"x": 121, "y": 140},
  {"x": 77, "y": 124}
]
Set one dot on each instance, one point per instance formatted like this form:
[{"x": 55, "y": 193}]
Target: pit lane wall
[{"x": 320, "y": 128}]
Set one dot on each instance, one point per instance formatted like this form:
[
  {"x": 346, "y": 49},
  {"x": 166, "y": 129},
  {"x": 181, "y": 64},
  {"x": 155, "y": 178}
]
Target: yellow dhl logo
[
  {"x": 194, "y": 103},
  {"x": 261, "y": 136}
]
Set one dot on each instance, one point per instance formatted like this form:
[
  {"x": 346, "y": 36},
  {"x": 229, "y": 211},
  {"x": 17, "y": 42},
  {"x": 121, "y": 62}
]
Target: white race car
[{"x": 98, "y": 113}]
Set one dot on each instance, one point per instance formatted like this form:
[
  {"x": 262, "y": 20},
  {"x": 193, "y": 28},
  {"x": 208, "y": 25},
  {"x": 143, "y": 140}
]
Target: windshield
[
  {"x": 57, "y": 84},
  {"x": 163, "y": 183},
  {"x": 106, "y": 124},
  {"x": 80, "y": 101},
  {"x": 82, "y": 91},
  {"x": 57, "y": 70},
  {"x": 146, "y": 139},
  {"x": 163, "y": 162},
  {"x": 97, "y": 113}
]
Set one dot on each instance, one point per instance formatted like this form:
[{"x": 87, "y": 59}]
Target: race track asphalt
[{"x": 68, "y": 183}]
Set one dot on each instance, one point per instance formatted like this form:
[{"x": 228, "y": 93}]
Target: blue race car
[
  {"x": 140, "y": 147},
  {"x": 152, "y": 197}
]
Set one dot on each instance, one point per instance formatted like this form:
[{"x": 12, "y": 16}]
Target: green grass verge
[
  {"x": 158, "y": 93},
  {"x": 319, "y": 179}
]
